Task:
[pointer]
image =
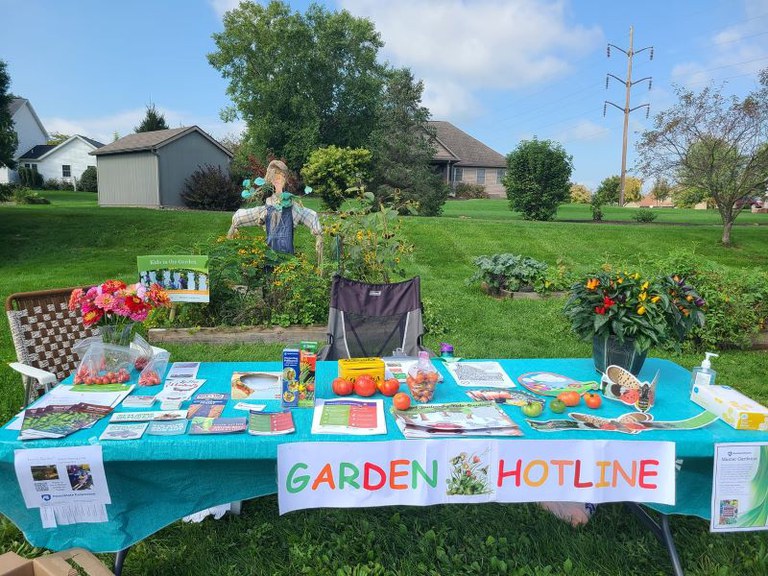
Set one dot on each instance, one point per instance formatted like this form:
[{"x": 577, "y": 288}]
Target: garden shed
[{"x": 149, "y": 168}]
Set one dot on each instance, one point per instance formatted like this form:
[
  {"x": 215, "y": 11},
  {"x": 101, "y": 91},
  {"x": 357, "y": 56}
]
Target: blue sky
[{"x": 502, "y": 70}]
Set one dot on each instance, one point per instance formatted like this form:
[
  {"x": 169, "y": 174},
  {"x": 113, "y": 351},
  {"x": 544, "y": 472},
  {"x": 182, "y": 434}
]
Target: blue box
[{"x": 291, "y": 363}]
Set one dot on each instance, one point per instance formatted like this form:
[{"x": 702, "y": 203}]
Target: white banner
[{"x": 420, "y": 473}]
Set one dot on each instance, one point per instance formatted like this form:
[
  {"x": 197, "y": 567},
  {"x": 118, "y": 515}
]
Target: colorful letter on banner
[{"x": 420, "y": 473}]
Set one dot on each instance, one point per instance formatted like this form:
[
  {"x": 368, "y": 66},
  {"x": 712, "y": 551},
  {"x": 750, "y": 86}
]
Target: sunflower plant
[{"x": 649, "y": 311}]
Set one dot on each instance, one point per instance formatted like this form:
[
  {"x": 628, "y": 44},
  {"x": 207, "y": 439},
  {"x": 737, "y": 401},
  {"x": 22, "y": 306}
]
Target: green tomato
[
  {"x": 533, "y": 409},
  {"x": 557, "y": 406}
]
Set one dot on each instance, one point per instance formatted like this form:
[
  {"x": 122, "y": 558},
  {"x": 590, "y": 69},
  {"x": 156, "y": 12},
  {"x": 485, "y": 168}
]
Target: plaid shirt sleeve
[{"x": 308, "y": 218}]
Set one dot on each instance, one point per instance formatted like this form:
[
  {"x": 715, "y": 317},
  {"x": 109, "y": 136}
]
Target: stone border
[{"x": 239, "y": 335}]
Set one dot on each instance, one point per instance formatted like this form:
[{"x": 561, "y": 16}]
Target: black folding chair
[{"x": 369, "y": 320}]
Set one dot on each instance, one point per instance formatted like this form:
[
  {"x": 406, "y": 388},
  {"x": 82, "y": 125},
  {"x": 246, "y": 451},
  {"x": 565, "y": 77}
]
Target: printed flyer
[
  {"x": 424, "y": 472},
  {"x": 740, "y": 488},
  {"x": 185, "y": 278}
]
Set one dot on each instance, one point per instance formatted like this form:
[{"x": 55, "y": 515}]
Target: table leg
[
  {"x": 662, "y": 532},
  {"x": 119, "y": 559}
]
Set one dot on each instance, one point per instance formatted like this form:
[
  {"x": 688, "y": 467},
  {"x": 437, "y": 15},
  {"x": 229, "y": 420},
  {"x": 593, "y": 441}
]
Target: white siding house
[
  {"x": 29, "y": 131},
  {"x": 66, "y": 161}
]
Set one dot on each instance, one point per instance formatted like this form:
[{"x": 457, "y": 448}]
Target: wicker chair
[{"x": 44, "y": 331}]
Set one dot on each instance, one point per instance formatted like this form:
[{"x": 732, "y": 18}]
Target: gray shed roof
[
  {"x": 453, "y": 143},
  {"x": 153, "y": 140}
]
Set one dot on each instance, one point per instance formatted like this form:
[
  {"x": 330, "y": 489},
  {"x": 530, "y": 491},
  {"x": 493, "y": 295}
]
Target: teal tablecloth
[{"x": 157, "y": 480}]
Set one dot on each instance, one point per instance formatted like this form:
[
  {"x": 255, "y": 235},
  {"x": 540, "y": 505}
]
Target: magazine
[
  {"x": 455, "y": 419},
  {"x": 124, "y": 431},
  {"x": 359, "y": 417},
  {"x": 217, "y": 425},
  {"x": 268, "y": 423},
  {"x": 485, "y": 374}
]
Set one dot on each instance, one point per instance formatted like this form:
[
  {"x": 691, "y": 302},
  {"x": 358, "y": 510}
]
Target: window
[
  {"x": 480, "y": 175},
  {"x": 458, "y": 174},
  {"x": 66, "y": 170},
  {"x": 500, "y": 173},
  {"x": 27, "y": 165}
]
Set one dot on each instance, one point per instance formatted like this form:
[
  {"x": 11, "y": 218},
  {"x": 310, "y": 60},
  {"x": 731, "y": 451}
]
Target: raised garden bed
[
  {"x": 502, "y": 294},
  {"x": 238, "y": 334}
]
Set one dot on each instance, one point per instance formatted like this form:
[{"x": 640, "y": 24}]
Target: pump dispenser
[{"x": 704, "y": 375}]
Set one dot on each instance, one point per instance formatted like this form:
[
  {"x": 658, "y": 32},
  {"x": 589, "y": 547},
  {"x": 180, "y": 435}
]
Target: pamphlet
[
  {"x": 510, "y": 397},
  {"x": 256, "y": 385},
  {"x": 455, "y": 419},
  {"x": 207, "y": 405},
  {"x": 138, "y": 402},
  {"x": 397, "y": 367},
  {"x": 183, "y": 371},
  {"x": 249, "y": 407},
  {"x": 179, "y": 390},
  {"x": 268, "y": 423},
  {"x": 59, "y": 420},
  {"x": 485, "y": 374},
  {"x": 167, "y": 428},
  {"x": 359, "y": 417},
  {"x": 124, "y": 431},
  {"x": 739, "y": 486},
  {"x": 148, "y": 416},
  {"x": 102, "y": 388},
  {"x": 217, "y": 425}
]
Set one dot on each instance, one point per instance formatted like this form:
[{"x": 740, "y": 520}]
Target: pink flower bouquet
[{"x": 116, "y": 303}]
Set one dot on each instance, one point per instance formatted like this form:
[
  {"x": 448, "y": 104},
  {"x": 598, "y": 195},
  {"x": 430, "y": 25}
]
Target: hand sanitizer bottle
[{"x": 704, "y": 375}]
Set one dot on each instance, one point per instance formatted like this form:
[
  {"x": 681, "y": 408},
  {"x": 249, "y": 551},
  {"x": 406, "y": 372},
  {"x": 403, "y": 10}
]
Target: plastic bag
[
  {"x": 81, "y": 346},
  {"x": 153, "y": 372},
  {"x": 144, "y": 352},
  {"x": 105, "y": 364},
  {"x": 422, "y": 379}
]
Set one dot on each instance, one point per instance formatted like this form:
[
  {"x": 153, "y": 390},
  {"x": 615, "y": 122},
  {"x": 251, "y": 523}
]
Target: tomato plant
[
  {"x": 570, "y": 398},
  {"x": 390, "y": 387},
  {"x": 342, "y": 387},
  {"x": 592, "y": 400},
  {"x": 401, "y": 401},
  {"x": 365, "y": 385}
]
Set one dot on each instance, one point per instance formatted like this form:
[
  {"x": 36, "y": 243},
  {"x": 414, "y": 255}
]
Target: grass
[{"x": 73, "y": 242}]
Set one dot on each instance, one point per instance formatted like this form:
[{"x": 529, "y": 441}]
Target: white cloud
[
  {"x": 103, "y": 128},
  {"x": 222, "y": 6},
  {"x": 461, "y": 48},
  {"x": 583, "y": 130}
]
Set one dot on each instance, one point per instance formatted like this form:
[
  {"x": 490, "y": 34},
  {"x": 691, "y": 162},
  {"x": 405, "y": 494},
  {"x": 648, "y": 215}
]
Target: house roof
[
  {"x": 17, "y": 103},
  {"x": 42, "y": 150},
  {"x": 151, "y": 141},
  {"x": 455, "y": 143}
]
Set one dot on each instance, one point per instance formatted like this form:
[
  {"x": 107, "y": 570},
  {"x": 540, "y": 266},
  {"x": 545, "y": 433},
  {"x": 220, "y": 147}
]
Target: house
[
  {"x": 150, "y": 168},
  {"x": 29, "y": 131},
  {"x": 650, "y": 201},
  {"x": 462, "y": 158},
  {"x": 66, "y": 161}
]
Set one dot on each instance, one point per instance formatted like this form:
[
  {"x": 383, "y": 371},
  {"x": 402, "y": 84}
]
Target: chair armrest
[{"x": 42, "y": 376}]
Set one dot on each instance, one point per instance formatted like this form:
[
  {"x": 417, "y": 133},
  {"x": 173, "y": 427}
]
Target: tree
[
  {"x": 609, "y": 189},
  {"x": 57, "y": 138},
  {"x": 89, "y": 180},
  {"x": 714, "y": 144},
  {"x": 537, "y": 178},
  {"x": 403, "y": 147},
  {"x": 332, "y": 171},
  {"x": 580, "y": 194},
  {"x": 153, "y": 120},
  {"x": 8, "y": 139},
  {"x": 661, "y": 189},
  {"x": 299, "y": 81}
]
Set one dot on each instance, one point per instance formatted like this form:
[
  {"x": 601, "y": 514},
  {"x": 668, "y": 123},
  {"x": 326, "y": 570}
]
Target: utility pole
[{"x": 630, "y": 53}]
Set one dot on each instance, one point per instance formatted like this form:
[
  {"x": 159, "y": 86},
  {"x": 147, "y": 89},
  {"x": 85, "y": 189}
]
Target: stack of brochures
[{"x": 60, "y": 420}]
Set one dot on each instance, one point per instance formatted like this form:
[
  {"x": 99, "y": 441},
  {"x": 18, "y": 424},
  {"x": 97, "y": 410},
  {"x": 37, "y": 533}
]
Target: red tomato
[
  {"x": 569, "y": 398},
  {"x": 389, "y": 387},
  {"x": 401, "y": 401},
  {"x": 592, "y": 400},
  {"x": 365, "y": 385},
  {"x": 342, "y": 387}
]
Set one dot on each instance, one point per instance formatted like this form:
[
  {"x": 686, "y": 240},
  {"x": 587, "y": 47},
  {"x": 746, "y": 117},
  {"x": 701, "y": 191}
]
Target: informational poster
[
  {"x": 425, "y": 472},
  {"x": 67, "y": 484},
  {"x": 185, "y": 278},
  {"x": 484, "y": 374},
  {"x": 740, "y": 488}
]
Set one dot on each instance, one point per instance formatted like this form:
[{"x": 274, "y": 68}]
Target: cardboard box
[
  {"x": 59, "y": 564},
  {"x": 291, "y": 373},
  {"x": 731, "y": 406}
]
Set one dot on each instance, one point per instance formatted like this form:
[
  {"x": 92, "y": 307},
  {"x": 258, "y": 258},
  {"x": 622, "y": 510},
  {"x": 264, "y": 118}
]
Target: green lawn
[{"x": 73, "y": 242}]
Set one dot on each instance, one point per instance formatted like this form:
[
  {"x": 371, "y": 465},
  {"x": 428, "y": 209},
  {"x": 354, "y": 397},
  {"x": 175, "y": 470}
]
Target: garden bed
[
  {"x": 503, "y": 294},
  {"x": 238, "y": 334}
]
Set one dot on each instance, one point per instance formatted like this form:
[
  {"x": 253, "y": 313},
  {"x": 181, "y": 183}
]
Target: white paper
[
  {"x": 71, "y": 481},
  {"x": 132, "y": 431},
  {"x": 183, "y": 370},
  {"x": 138, "y": 402},
  {"x": 179, "y": 390},
  {"x": 247, "y": 406},
  {"x": 479, "y": 374},
  {"x": 147, "y": 416},
  {"x": 738, "y": 487}
]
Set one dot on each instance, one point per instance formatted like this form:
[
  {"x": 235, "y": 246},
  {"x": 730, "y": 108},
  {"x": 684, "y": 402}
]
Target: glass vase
[
  {"x": 117, "y": 334},
  {"x": 609, "y": 351}
]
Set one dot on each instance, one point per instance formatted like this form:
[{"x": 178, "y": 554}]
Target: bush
[
  {"x": 467, "y": 191},
  {"x": 30, "y": 177},
  {"x": 509, "y": 272},
  {"x": 211, "y": 188},
  {"x": 52, "y": 184},
  {"x": 644, "y": 215},
  {"x": 7, "y": 191},
  {"x": 334, "y": 171},
  {"x": 26, "y": 196},
  {"x": 88, "y": 180}
]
